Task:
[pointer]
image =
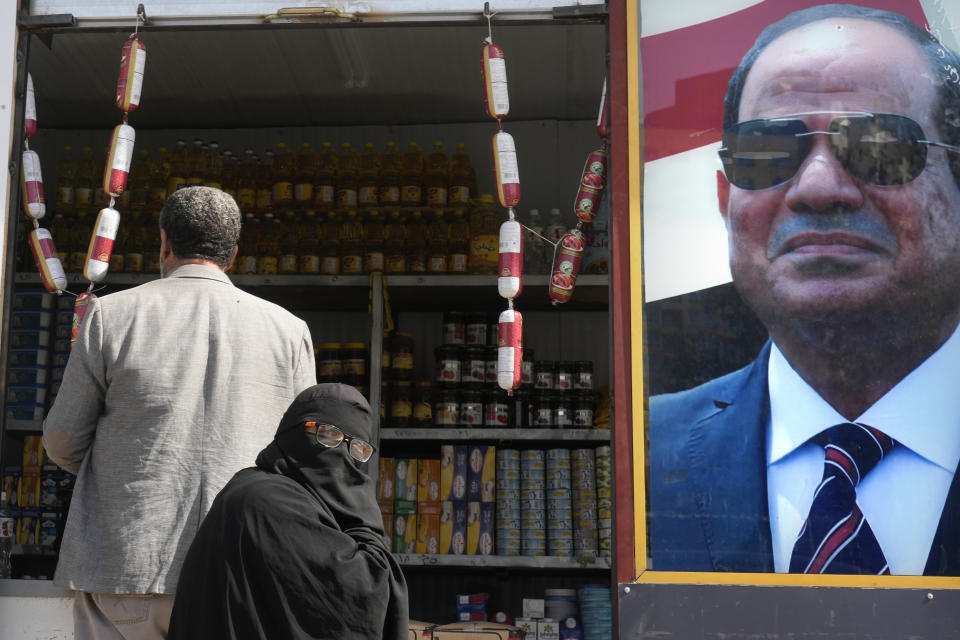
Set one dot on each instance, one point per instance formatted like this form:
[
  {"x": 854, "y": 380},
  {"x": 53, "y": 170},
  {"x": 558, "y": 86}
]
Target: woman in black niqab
[{"x": 294, "y": 548}]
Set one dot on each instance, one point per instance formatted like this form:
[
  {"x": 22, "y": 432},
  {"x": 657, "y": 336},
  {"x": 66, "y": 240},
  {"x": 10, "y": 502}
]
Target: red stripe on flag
[{"x": 685, "y": 72}]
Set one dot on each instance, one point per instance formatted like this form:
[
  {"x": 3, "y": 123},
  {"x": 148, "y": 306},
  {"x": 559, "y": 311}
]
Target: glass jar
[
  {"x": 496, "y": 409},
  {"x": 471, "y": 408},
  {"x": 473, "y": 367},
  {"x": 521, "y": 409},
  {"x": 542, "y": 409},
  {"x": 423, "y": 404},
  {"x": 543, "y": 374},
  {"x": 526, "y": 371},
  {"x": 401, "y": 404},
  {"x": 355, "y": 365},
  {"x": 583, "y": 374},
  {"x": 401, "y": 347},
  {"x": 563, "y": 377},
  {"x": 562, "y": 411},
  {"x": 477, "y": 329},
  {"x": 329, "y": 362},
  {"x": 446, "y": 408},
  {"x": 583, "y": 407},
  {"x": 490, "y": 357},
  {"x": 448, "y": 365},
  {"x": 454, "y": 327}
]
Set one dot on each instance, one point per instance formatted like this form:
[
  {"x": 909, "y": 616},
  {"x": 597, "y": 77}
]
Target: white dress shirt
[{"x": 922, "y": 413}]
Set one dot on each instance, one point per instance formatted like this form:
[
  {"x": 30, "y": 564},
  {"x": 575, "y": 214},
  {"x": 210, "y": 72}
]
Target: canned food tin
[
  {"x": 532, "y": 454},
  {"x": 559, "y": 514},
  {"x": 532, "y": 494},
  {"x": 558, "y": 483},
  {"x": 508, "y": 454},
  {"x": 507, "y": 496}
]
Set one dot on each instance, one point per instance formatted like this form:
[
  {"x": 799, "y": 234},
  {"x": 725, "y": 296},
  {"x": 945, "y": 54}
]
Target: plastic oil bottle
[
  {"x": 368, "y": 184},
  {"x": 438, "y": 244},
  {"x": 373, "y": 240},
  {"x": 246, "y": 262},
  {"x": 309, "y": 232},
  {"x": 151, "y": 243},
  {"x": 351, "y": 244},
  {"x": 196, "y": 164},
  {"x": 247, "y": 181},
  {"x": 213, "y": 175},
  {"x": 347, "y": 177},
  {"x": 459, "y": 243},
  {"x": 411, "y": 187},
  {"x": 284, "y": 167},
  {"x": 264, "y": 181},
  {"x": 288, "y": 261},
  {"x": 324, "y": 185},
  {"x": 157, "y": 181},
  {"x": 137, "y": 183},
  {"x": 80, "y": 230},
  {"x": 330, "y": 245},
  {"x": 66, "y": 179},
  {"x": 484, "y": 253},
  {"x": 87, "y": 179},
  {"x": 416, "y": 243},
  {"x": 388, "y": 190},
  {"x": 178, "y": 167},
  {"x": 134, "y": 244},
  {"x": 394, "y": 244},
  {"x": 436, "y": 176},
  {"x": 305, "y": 175},
  {"x": 268, "y": 245},
  {"x": 458, "y": 194}
]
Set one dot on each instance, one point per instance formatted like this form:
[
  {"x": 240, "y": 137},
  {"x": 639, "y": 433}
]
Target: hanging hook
[
  {"x": 141, "y": 18},
  {"x": 488, "y": 14}
]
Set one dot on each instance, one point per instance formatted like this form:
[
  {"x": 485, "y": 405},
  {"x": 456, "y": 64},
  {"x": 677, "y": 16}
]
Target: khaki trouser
[{"x": 108, "y": 616}]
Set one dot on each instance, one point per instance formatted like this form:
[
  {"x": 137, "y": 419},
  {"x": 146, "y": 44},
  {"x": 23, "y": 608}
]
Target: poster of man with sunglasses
[{"x": 833, "y": 446}]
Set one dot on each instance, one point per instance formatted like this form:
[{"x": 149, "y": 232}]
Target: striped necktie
[{"x": 836, "y": 538}]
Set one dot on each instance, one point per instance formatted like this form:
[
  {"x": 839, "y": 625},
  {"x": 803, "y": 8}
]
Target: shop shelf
[
  {"x": 526, "y": 435},
  {"x": 505, "y": 562},
  {"x": 25, "y": 425}
]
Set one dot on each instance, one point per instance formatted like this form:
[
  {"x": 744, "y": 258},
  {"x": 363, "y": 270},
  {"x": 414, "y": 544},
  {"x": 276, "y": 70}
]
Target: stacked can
[
  {"x": 596, "y": 612},
  {"x": 585, "y": 502},
  {"x": 605, "y": 500},
  {"x": 508, "y": 502},
  {"x": 559, "y": 503},
  {"x": 533, "y": 530}
]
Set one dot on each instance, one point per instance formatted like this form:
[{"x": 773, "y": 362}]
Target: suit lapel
[{"x": 729, "y": 444}]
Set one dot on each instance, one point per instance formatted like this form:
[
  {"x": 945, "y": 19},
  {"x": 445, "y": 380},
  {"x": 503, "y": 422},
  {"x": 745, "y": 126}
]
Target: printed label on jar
[
  {"x": 267, "y": 265},
  {"x": 351, "y": 265},
  {"x": 453, "y": 333},
  {"x": 303, "y": 192},
  {"x": 396, "y": 264},
  {"x": 448, "y": 371},
  {"x": 471, "y": 414},
  {"x": 422, "y": 412},
  {"x": 287, "y": 263},
  {"x": 437, "y": 264},
  {"x": 583, "y": 380},
  {"x": 323, "y": 194},
  {"x": 331, "y": 368},
  {"x": 410, "y": 194},
  {"x": 373, "y": 261},
  {"x": 458, "y": 263},
  {"x": 491, "y": 370},
  {"x": 346, "y": 198},
  {"x": 330, "y": 265},
  {"x": 389, "y": 194},
  {"x": 309, "y": 264},
  {"x": 436, "y": 197},
  {"x": 402, "y": 361},
  {"x": 526, "y": 372},
  {"x": 446, "y": 414},
  {"x": 583, "y": 417},
  {"x": 473, "y": 371},
  {"x": 564, "y": 381},
  {"x": 367, "y": 196},
  {"x": 477, "y": 333},
  {"x": 542, "y": 417},
  {"x": 497, "y": 414},
  {"x": 562, "y": 418},
  {"x": 544, "y": 380},
  {"x": 401, "y": 409},
  {"x": 354, "y": 367}
]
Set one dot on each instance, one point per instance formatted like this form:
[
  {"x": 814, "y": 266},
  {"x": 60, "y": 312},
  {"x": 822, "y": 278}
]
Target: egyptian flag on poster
[{"x": 687, "y": 53}]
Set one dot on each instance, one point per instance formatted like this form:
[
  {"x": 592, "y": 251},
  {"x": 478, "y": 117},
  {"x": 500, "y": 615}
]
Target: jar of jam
[
  {"x": 583, "y": 374},
  {"x": 542, "y": 409},
  {"x": 526, "y": 371},
  {"x": 490, "y": 357},
  {"x": 583, "y": 407},
  {"x": 401, "y": 404},
  {"x": 493, "y": 331},
  {"x": 454, "y": 327},
  {"x": 562, "y": 411},
  {"x": 423, "y": 404},
  {"x": 471, "y": 408},
  {"x": 448, "y": 365},
  {"x": 521, "y": 409},
  {"x": 355, "y": 365},
  {"x": 476, "y": 329},
  {"x": 446, "y": 408},
  {"x": 543, "y": 374},
  {"x": 496, "y": 409},
  {"x": 329, "y": 363},
  {"x": 563, "y": 377},
  {"x": 473, "y": 367},
  {"x": 401, "y": 347}
]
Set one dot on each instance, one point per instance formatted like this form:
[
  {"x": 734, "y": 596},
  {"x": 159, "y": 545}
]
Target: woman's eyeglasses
[
  {"x": 332, "y": 437},
  {"x": 878, "y": 148}
]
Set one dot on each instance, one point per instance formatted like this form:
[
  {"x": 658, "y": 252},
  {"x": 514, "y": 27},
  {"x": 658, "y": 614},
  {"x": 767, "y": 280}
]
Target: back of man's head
[{"x": 201, "y": 223}]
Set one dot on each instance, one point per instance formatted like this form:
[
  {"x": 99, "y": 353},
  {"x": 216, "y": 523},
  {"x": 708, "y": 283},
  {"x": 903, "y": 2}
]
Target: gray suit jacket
[{"x": 172, "y": 387}]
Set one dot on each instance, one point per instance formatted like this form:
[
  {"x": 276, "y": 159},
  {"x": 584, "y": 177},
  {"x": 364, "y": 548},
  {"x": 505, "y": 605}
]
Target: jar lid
[{"x": 329, "y": 345}]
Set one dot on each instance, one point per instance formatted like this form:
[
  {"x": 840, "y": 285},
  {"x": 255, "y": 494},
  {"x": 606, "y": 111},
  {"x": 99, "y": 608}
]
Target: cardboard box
[
  {"x": 405, "y": 483},
  {"x": 533, "y": 608},
  {"x": 387, "y": 528},
  {"x": 404, "y": 532},
  {"x": 481, "y": 522},
  {"x": 428, "y": 534},
  {"x": 548, "y": 629},
  {"x": 453, "y": 472},
  {"x": 428, "y": 488},
  {"x": 27, "y": 527},
  {"x": 421, "y": 630},
  {"x": 453, "y": 527},
  {"x": 386, "y": 476},
  {"x": 32, "y": 454},
  {"x": 528, "y": 627},
  {"x": 476, "y": 631},
  {"x": 28, "y": 491},
  {"x": 481, "y": 470}
]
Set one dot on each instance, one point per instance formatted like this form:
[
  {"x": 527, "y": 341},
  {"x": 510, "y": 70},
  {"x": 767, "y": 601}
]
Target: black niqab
[{"x": 294, "y": 547}]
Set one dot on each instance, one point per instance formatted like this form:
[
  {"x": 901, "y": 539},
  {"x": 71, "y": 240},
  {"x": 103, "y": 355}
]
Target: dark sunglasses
[
  {"x": 332, "y": 437},
  {"x": 877, "y": 148}
]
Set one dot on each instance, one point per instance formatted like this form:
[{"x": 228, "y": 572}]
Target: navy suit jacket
[{"x": 708, "y": 480}]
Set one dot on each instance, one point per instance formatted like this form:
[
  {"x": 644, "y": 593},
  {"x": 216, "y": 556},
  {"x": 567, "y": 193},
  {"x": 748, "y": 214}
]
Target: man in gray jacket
[{"x": 171, "y": 388}]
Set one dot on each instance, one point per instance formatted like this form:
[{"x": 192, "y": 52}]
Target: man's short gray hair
[{"x": 201, "y": 222}]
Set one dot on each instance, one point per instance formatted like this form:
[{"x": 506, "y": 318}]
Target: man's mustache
[{"x": 854, "y": 222}]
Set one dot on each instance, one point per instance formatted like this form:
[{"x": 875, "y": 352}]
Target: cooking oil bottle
[
  {"x": 246, "y": 262},
  {"x": 151, "y": 243},
  {"x": 264, "y": 181},
  {"x": 459, "y": 243},
  {"x": 213, "y": 176},
  {"x": 373, "y": 238},
  {"x": 247, "y": 181},
  {"x": 137, "y": 181},
  {"x": 268, "y": 245},
  {"x": 196, "y": 163},
  {"x": 305, "y": 175},
  {"x": 157, "y": 181},
  {"x": 484, "y": 222},
  {"x": 411, "y": 176},
  {"x": 394, "y": 244},
  {"x": 347, "y": 177},
  {"x": 284, "y": 166},
  {"x": 66, "y": 180},
  {"x": 368, "y": 177},
  {"x": 388, "y": 190},
  {"x": 87, "y": 179},
  {"x": 436, "y": 176},
  {"x": 134, "y": 244},
  {"x": 417, "y": 233},
  {"x": 309, "y": 232},
  {"x": 330, "y": 245},
  {"x": 459, "y": 191},
  {"x": 324, "y": 185},
  {"x": 351, "y": 244},
  {"x": 438, "y": 244},
  {"x": 288, "y": 261}
]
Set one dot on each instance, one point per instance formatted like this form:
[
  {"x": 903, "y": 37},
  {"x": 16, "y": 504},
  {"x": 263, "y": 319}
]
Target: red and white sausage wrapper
[
  {"x": 506, "y": 171},
  {"x": 510, "y": 350},
  {"x": 133, "y": 59},
  {"x": 493, "y": 68},
  {"x": 566, "y": 267},
  {"x": 592, "y": 182},
  {"x": 510, "y": 263},
  {"x": 117, "y": 169},
  {"x": 101, "y": 245},
  {"x": 34, "y": 204},
  {"x": 47, "y": 260},
  {"x": 80, "y": 308},
  {"x": 602, "y": 126},
  {"x": 30, "y": 110}
]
